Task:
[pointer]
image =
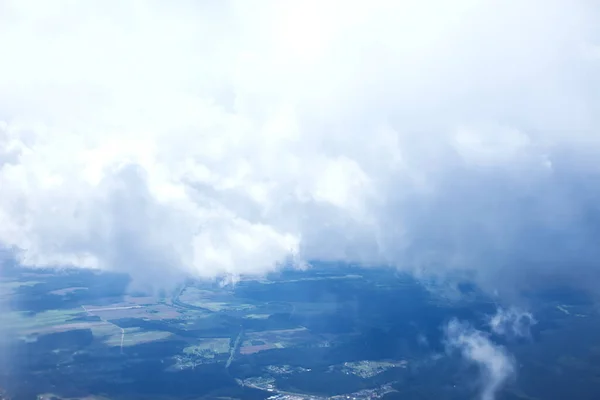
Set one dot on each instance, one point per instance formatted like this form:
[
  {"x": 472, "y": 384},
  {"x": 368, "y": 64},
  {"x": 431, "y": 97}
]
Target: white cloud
[
  {"x": 495, "y": 364},
  {"x": 512, "y": 322},
  {"x": 219, "y": 138}
]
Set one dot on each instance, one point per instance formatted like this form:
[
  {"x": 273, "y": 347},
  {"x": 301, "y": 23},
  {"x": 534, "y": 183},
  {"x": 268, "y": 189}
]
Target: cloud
[
  {"x": 199, "y": 138},
  {"x": 495, "y": 364},
  {"x": 512, "y": 322},
  {"x": 4, "y": 308}
]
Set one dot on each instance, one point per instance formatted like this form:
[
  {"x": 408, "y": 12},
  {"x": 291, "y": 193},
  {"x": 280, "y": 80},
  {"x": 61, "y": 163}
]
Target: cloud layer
[{"x": 202, "y": 138}]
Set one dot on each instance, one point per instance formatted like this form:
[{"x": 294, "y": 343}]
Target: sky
[{"x": 210, "y": 139}]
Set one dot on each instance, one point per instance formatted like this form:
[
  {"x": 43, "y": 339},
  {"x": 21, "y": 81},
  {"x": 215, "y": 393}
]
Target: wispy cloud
[
  {"x": 512, "y": 322},
  {"x": 495, "y": 364}
]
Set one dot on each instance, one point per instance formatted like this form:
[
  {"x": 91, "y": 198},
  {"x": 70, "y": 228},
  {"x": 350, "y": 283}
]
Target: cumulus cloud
[
  {"x": 495, "y": 364},
  {"x": 203, "y": 138}
]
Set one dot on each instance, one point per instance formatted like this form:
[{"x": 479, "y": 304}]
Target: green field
[
  {"x": 368, "y": 369},
  {"x": 215, "y": 302},
  {"x": 24, "y": 322},
  {"x": 213, "y": 345},
  {"x": 9, "y": 287}
]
